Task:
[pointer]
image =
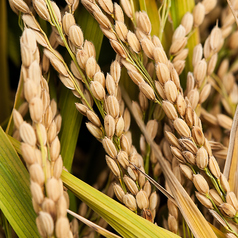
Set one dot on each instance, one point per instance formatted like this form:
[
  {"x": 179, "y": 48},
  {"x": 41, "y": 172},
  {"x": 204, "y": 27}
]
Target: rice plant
[{"x": 124, "y": 120}]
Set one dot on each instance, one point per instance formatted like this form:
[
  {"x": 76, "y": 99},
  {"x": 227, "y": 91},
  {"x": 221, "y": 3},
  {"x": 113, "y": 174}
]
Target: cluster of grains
[
  {"x": 120, "y": 37},
  {"x": 198, "y": 89},
  {"x": 186, "y": 148},
  {"x": 115, "y": 136},
  {"x": 224, "y": 81},
  {"x": 41, "y": 146},
  {"x": 114, "y": 132},
  {"x": 117, "y": 142},
  {"x": 192, "y": 148}
]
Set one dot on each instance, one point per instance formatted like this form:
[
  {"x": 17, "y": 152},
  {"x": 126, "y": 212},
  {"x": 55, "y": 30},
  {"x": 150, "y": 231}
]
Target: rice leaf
[
  {"x": 15, "y": 196},
  {"x": 4, "y": 87},
  {"x": 94, "y": 226},
  {"x": 231, "y": 164},
  {"x": 71, "y": 122},
  {"x": 218, "y": 233},
  {"x": 17, "y": 102},
  {"x": 124, "y": 221}
]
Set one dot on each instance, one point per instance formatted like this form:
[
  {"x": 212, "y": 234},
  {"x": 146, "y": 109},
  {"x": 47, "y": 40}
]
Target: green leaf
[
  {"x": 179, "y": 8},
  {"x": 4, "y": 87},
  {"x": 124, "y": 221},
  {"x": 152, "y": 12},
  {"x": 71, "y": 122},
  {"x": 15, "y": 196},
  {"x": 17, "y": 102},
  {"x": 231, "y": 164},
  {"x": 218, "y": 233}
]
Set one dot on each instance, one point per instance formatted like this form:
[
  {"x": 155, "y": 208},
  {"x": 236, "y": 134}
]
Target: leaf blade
[
  {"x": 231, "y": 164},
  {"x": 127, "y": 223},
  {"x": 4, "y": 87},
  {"x": 15, "y": 197}
]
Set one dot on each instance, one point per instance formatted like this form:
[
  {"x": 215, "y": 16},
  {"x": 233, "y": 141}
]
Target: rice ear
[{"x": 193, "y": 217}]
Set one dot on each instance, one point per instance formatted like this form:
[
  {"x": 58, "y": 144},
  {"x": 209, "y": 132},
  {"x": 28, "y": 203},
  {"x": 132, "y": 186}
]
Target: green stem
[
  {"x": 147, "y": 159},
  {"x": 229, "y": 228},
  {"x": 214, "y": 182},
  {"x": 219, "y": 183},
  {"x": 138, "y": 64},
  {"x": 164, "y": 17},
  {"x": 191, "y": 167},
  {"x": 184, "y": 229}
]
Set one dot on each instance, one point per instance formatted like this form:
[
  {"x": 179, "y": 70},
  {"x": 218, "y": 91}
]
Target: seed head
[
  {"x": 204, "y": 94},
  {"x": 45, "y": 224},
  {"x": 231, "y": 199},
  {"x": 106, "y": 5},
  {"x": 169, "y": 110},
  {"x": 102, "y": 19},
  {"x": 62, "y": 227},
  {"x": 187, "y": 22},
  {"x": 142, "y": 200},
  {"x": 121, "y": 30},
  {"x": 127, "y": 8},
  {"x": 112, "y": 106},
  {"x": 118, "y": 48},
  {"x": 200, "y": 70},
  {"x": 148, "y": 47},
  {"x": 125, "y": 144},
  {"x": 162, "y": 73},
  {"x": 214, "y": 167},
  {"x": 133, "y": 42},
  {"x": 143, "y": 22},
  {"x": 204, "y": 200},
  {"x": 228, "y": 209},
  {"x": 178, "y": 45},
  {"x": 202, "y": 158},
  {"x": 182, "y": 128},
  {"x": 118, "y": 13},
  {"x": 109, "y": 125},
  {"x": 113, "y": 166},
  {"x": 200, "y": 184},
  {"x": 67, "y": 21},
  {"x": 109, "y": 147},
  {"x": 198, "y": 14},
  {"x": 147, "y": 90},
  {"x": 197, "y": 54},
  {"x": 118, "y": 192},
  {"x": 130, "y": 201},
  {"x": 180, "y": 32}
]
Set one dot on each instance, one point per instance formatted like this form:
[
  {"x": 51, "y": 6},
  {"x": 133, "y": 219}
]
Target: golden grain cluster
[{"x": 191, "y": 125}]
